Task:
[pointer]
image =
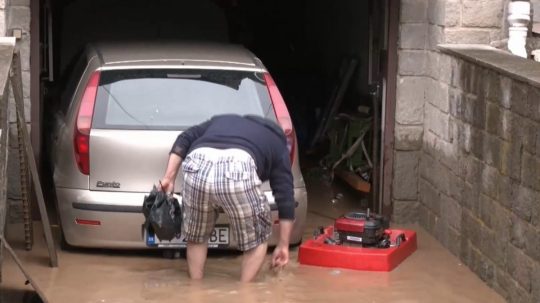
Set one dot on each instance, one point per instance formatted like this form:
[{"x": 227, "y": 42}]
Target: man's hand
[
  {"x": 280, "y": 257},
  {"x": 166, "y": 185}
]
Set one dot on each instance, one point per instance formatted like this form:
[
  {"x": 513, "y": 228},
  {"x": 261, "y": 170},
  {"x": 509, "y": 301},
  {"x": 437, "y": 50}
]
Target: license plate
[{"x": 219, "y": 238}]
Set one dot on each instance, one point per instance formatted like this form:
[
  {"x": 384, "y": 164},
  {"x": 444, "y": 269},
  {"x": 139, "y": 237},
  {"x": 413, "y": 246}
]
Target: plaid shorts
[{"x": 226, "y": 179}]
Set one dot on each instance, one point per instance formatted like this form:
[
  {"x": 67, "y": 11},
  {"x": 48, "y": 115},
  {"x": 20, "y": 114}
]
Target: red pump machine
[{"x": 361, "y": 241}]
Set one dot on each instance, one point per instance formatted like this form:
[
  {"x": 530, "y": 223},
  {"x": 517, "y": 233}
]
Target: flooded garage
[
  {"x": 336, "y": 67},
  {"x": 431, "y": 274}
]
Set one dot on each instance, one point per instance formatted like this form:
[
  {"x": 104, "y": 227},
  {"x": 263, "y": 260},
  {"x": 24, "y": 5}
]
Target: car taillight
[
  {"x": 282, "y": 115},
  {"x": 84, "y": 124}
]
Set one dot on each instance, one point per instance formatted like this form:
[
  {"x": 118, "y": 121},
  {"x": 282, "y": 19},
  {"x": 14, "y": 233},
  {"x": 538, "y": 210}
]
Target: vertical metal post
[
  {"x": 16, "y": 82},
  {"x": 375, "y": 98},
  {"x": 4, "y": 146}
]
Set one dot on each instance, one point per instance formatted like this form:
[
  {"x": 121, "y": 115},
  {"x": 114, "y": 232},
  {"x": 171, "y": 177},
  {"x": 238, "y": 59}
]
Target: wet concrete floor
[{"x": 431, "y": 274}]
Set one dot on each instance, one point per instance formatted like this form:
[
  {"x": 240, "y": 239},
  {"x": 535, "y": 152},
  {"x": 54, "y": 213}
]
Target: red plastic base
[{"x": 316, "y": 252}]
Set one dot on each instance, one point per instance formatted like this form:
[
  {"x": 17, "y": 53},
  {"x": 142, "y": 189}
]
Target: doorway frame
[
  {"x": 390, "y": 108},
  {"x": 387, "y": 160},
  {"x": 35, "y": 79}
]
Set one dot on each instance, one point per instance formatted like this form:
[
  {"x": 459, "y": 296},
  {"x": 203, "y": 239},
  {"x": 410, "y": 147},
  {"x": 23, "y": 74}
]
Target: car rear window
[{"x": 176, "y": 99}]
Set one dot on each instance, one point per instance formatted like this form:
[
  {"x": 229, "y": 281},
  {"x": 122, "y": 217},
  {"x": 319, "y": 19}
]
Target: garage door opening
[{"x": 331, "y": 61}]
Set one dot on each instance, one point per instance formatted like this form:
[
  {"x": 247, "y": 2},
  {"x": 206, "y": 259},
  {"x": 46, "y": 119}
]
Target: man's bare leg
[
  {"x": 196, "y": 258},
  {"x": 252, "y": 262}
]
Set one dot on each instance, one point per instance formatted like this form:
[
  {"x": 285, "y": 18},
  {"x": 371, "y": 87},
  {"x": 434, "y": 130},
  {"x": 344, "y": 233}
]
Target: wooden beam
[{"x": 354, "y": 180}]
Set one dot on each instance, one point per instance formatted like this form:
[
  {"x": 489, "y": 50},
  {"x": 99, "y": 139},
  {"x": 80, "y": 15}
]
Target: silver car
[{"x": 124, "y": 107}]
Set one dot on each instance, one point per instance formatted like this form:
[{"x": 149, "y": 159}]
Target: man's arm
[
  {"x": 281, "y": 182},
  {"x": 167, "y": 182}
]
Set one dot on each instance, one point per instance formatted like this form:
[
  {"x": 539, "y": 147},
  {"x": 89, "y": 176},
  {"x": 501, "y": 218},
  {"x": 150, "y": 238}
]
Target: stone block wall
[
  {"x": 467, "y": 145},
  {"x": 411, "y": 85},
  {"x": 475, "y": 21},
  {"x": 424, "y": 24},
  {"x": 422, "y": 29},
  {"x": 479, "y": 173}
]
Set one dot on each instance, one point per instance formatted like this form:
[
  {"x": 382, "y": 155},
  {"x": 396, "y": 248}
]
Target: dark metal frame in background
[
  {"x": 390, "y": 107},
  {"x": 383, "y": 80},
  {"x": 35, "y": 81}
]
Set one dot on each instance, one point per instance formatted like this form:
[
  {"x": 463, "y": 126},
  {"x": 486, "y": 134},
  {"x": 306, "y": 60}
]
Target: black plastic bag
[
  {"x": 148, "y": 202},
  {"x": 163, "y": 215}
]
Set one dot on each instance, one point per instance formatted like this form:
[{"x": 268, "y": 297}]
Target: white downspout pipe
[{"x": 519, "y": 17}]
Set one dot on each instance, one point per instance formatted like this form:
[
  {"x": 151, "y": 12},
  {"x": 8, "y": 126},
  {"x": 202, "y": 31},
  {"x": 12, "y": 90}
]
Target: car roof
[{"x": 185, "y": 54}]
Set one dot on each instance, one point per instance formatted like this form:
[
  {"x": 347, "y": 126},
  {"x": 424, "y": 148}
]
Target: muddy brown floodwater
[{"x": 431, "y": 274}]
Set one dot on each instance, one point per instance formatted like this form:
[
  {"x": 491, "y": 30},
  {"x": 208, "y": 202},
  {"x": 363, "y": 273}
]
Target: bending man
[{"x": 224, "y": 161}]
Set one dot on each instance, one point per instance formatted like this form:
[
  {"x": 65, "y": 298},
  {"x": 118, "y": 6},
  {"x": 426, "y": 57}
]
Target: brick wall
[
  {"x": 479, "y": 181},
  {"x": 411, "y": 85},
  {"x": 475, "y": 21},
  {"x": 424, "y": 24},
  {"x": 467, "y": 146}
]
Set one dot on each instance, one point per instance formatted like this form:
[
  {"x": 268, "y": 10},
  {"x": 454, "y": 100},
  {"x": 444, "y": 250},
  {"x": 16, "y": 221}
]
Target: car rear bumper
[{"x": 120, "y": 218}]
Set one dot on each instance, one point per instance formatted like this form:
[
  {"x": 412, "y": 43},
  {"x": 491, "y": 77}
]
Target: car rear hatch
[{"x": 139, "y": 112}]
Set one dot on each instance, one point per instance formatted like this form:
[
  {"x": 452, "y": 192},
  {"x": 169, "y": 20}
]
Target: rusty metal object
[
  {"x": 23, "y": 169},
  {"x": 10, "y": 58},
  {"x": 16, "y": 82}
]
